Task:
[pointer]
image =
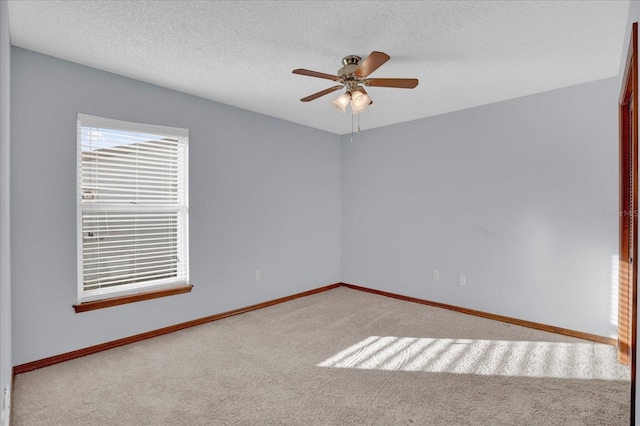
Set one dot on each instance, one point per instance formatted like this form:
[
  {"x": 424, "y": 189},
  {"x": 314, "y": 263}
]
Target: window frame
[{"x": 132, "y": 292}]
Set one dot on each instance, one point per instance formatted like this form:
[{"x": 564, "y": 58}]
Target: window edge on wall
[{"x": 130, "y": 126}]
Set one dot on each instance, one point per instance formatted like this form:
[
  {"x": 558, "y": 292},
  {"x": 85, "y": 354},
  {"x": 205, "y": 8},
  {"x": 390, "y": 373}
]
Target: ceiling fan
[{"x": 354, "y": 75}]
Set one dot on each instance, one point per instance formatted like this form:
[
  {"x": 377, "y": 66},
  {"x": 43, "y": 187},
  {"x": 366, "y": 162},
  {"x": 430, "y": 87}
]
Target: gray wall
[
  {"x": 514, "y": 194},
  {"x": 264, "y": 195},
  {"x": 5, "y": 248}
]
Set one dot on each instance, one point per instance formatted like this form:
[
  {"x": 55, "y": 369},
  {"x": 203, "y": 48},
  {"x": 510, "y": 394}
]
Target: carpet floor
[{"x": 341, "y": 357}]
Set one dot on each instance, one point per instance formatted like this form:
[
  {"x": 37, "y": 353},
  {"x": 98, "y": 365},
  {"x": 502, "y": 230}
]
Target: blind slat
[
  {"x": 127, "y": 241},
  {"x": 128, "y": 270},
  {"x": 164, "y": 257},
  {"x": 116, "y": 143},
  {"x": 134, "y": 163},
  {"x": 97, "y": 283},
  {"x": 110, "y": 171},
  {"x": 124, "y": 228}
]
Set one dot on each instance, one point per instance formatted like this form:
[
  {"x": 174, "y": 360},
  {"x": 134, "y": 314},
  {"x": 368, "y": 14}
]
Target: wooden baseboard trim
[
  {"x": 45, "y": 362},
  {"x": 510, "y": 320},
  {"x": 34, "y": 365}
]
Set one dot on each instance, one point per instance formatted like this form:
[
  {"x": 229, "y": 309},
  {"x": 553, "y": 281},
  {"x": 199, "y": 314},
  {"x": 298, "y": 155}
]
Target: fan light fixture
[
  {"x": 358, "y": 100},
  {"x": 342, "y": 102}
]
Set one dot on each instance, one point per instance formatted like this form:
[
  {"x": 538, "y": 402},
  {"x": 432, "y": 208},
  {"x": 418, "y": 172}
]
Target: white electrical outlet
[
  {"x": 258, "y": 276},
  {"x": 462, "y": 279},
  {"x": 436, "y": 275}
]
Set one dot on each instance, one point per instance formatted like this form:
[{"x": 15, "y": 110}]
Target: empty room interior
[{"x": 318, "y": 212}]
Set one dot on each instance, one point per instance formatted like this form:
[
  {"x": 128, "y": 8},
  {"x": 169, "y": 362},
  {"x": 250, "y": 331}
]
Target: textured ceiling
[{"x": 241, "y": 53}]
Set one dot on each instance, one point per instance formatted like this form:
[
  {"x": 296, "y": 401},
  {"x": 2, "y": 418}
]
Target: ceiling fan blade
[
  {"x": 402, "y": 83},
  {"x": 322, "y": 93},
  {"x": 372, "y": 63},
  {"x": 316, "y": 74}
]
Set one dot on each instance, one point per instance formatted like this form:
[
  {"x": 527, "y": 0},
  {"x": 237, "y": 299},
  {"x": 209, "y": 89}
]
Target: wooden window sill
[{"x": 131, "y": 298}]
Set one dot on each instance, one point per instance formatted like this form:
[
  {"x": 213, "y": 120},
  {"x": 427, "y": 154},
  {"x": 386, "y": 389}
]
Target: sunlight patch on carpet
[{"x": 481, "y": 357}]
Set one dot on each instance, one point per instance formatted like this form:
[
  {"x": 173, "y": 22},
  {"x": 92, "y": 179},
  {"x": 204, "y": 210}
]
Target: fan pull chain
[
  {"x": 358, "y": 131},
  {"x": 351, "y": 128}
]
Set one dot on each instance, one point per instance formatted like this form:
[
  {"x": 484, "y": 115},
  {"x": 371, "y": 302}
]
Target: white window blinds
[{"x": 132, "y": 207}]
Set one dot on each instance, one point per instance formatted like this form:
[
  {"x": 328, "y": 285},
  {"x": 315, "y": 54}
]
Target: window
[{"x": 133, "y": 213}]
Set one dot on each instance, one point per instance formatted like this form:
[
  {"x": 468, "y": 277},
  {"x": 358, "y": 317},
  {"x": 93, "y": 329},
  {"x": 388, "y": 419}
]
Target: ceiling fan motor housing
[{"x": 350, "y": 63}]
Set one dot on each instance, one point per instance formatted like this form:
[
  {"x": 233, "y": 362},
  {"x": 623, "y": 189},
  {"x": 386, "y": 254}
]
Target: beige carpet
[{"x": 342, "y": 357}]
